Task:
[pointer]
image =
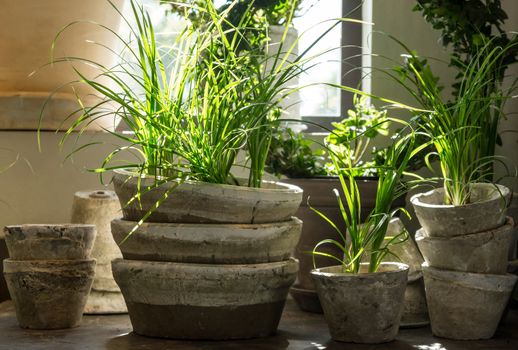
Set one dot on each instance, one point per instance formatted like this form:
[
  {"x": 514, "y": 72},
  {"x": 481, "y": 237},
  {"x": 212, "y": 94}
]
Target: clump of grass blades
[
  {"x": 368, "y": 240},
  {"x": 190, "y": 119},
  {"x": 464, "y": 130}
]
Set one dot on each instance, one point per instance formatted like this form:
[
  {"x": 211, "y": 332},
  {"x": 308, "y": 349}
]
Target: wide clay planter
[
  {"x": 466, "y": 306},
  {"x": 198, "y": 202},
  {"x": 319, "y": 191},
  {"x": 481, "y": 252},
  {"x": 363, "y": 307},
  {"x": 49, "y": 294},
  {"x": 50, "y": 242},
  {"x": 208, "y": 243},
  {"x": 486, "y": 211},
  {"x": 29, "y": 29},
  {"x": 204, "y": 301}
]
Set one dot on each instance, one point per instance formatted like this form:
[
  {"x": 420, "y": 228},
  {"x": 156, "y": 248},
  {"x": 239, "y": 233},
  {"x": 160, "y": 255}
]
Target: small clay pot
[
  {"x": 50, "y": 242},
  {"x": 49, "y": 294},
  {"x": 363, "y": 307},
  {"x": 486, "y": 211},
  {"x": 466, "y": 306},
  {"x": 208, "y": 243},
  {"x": 481, "y": 252}
]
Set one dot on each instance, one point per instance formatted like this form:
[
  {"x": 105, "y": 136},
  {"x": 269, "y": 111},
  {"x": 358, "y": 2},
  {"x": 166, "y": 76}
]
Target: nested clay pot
[
  {"x": 466, "y": 306},
  {"x": 49, "y": 294},
  {"x": 363, "y": 307},
  {"x": 199, "y": 202},
  {"x": 204, "y": 301},
  {"x": 50, "y": 242},
  {"x": 480, "y": 252},
  {"x": 486, "y": 211},
  {"x": 208, "y": 243}
]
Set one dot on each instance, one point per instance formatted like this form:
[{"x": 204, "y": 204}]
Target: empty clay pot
[
  {"x": 363, "y": 307},
  {"x": 481, "y": 252},
  {"x": 49, "y": 294},
  {"x": 466, "y": 306},
  {"x": 50, "y": 242}
]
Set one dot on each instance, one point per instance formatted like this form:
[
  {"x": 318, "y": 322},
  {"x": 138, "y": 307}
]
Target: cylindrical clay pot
[
  {"x": 99, "y": 208},
  {"x": 50, "y": 242},
  {"x": 49, "y": 294},
  {"x": 481, "y": 252},
  {"x": 204, "y": 301},
  {"x": 208, "y": 243},
  {"x": 486, "y": 211},
  {"x": 198, "y": 202},
  {"x": 465, "y": 305},
  {"x": 363, "y": 307}
]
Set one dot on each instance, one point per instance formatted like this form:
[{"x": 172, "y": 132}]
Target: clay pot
[
  {"x": 198, "y": 202},
  {"x": 99, "y": 208},
  {"x": 204, "y": 301},
  {"x": 481, "y": 252},
  {"x": 30, "y": 28},
  {"x": 466, "y": 305},
  {"x": 363, "y": 307},
  {"x": 49, "y": 294},
  {"x": 415, "y": 310},
  {"x": 486, "y": 211},
  {"x": 319, "y": 192},
  {"x": 50, "y": 242},
  {"x": 208, "y": 243}
]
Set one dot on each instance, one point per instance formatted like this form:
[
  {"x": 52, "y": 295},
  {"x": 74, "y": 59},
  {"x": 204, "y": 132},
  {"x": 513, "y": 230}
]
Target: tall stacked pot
[
  {"x": 465, "y": 250},
  {"x": 49, "y": 273},
  {"x": 210, "y": 262}
]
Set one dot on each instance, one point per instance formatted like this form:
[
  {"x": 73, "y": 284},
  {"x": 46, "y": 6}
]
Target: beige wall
[{"x": 44, "y": 194}]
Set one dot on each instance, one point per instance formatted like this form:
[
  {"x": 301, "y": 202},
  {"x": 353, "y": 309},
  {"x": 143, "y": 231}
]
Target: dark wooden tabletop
[{"x": 298, "y": 330}]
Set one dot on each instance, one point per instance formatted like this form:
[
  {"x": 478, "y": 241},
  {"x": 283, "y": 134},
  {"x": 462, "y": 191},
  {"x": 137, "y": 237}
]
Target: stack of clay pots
[
  {"x": 99, "y": 208},
  {"x": 210, "y": 262},
  {"x": 49, "y": 273},
  {"x": 465, "y": 250}
]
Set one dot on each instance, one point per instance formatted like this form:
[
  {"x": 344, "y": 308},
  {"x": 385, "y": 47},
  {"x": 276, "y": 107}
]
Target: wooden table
[{"x": 297, "y": 330}]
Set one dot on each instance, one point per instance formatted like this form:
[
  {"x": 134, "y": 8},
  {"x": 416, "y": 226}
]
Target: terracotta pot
[
  {"x": 50, "y": 242},
  {"x": 208, "y": 243},
  {"x": 487, "y": 211},
  {"x": 481, "y": 252},
  {"x": 49, "y": 294},
  {"x": 30, "y": 28},
  {"x": 466, "y": 306},
  {"x": 198, "y": 202},
  {"x": 204, "y": 301},
  {"x": 363, "y": 307}
]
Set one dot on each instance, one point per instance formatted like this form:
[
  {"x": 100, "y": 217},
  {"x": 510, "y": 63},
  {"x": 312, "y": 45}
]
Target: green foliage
[
  {"x": 369, "y": 240},
  {"x": 459, "y": 128},
  {"x": 291, "y": 154},
  {"x": 350, "y": 139},
  {"x": 469, "y": 27}
]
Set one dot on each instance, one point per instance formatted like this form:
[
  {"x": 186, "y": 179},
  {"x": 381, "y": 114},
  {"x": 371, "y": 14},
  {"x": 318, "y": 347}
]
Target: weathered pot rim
[
  {"x": 47, "y": 266},
  {"x": 417, "y": 199},
  {"x": 484, "y": 281},
  {"x": 326, "y": 272},
  {"x": 66, "y": 225},
  {"x": 421, "y": 233},
  {"x": 214, "y": 268},
  {"x": 209, "y": 226},
  {"x": 279, "y": 187}
]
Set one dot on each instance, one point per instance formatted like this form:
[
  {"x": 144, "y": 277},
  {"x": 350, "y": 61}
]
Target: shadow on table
[
  {"x": 334, "y": 345},
  {"x": 135, "y": 341}
]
